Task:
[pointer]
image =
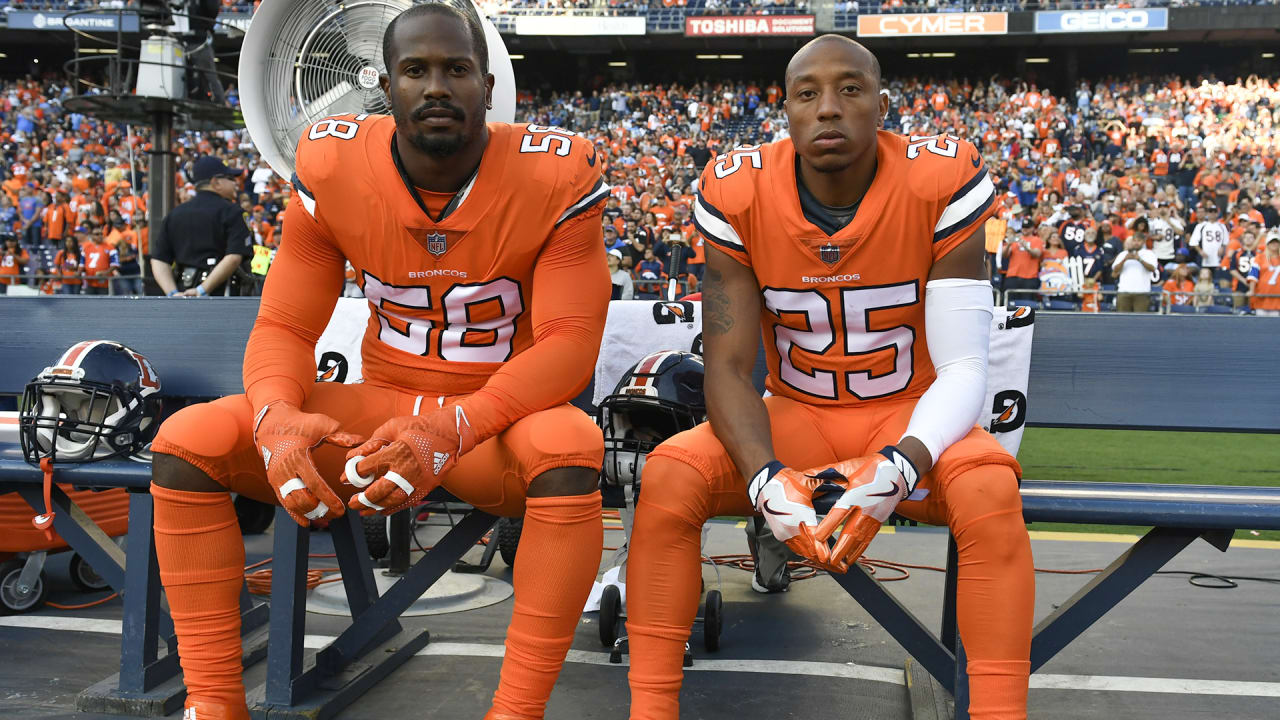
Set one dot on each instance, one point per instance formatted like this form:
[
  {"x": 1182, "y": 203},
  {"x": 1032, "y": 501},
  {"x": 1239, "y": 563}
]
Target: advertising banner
[
  {"x": 578, "y": 25},
  {"x": 991, "y": 23},
  {"x": 88, "y": 22},
  {"x": 1127, "y": 20},
  {"x": 715, "y": 26}
]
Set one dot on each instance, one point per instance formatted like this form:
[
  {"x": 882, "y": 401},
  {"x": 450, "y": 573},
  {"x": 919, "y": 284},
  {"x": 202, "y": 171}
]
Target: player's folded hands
[
  {"x": 406, "y": 458},
  {"x": 785, "y": 497},
  {"x": 873, "y": 486},
  {"x": 285, "y": 437}
]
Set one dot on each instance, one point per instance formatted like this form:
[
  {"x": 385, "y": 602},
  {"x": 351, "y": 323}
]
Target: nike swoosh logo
[
  {"x": 591, "y": 161},
  {"x": 976, "y": 161},
  {"x": 887, "y": 493},
  {"x": 771, "y": 511}
]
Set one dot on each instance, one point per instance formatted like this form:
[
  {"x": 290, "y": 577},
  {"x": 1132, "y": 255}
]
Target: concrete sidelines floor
[{"x": 1170, "y": 651}]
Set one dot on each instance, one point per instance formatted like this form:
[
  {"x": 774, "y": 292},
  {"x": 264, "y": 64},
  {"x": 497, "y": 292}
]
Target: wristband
[
  {"x": 762, "y": 476},
  {"x": 201, "y": 291},
  {"x": 904, "y": 465},
  {"x": 172, "y": 293}
]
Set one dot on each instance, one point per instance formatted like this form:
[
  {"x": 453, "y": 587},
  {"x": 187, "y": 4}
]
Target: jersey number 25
[{"x": 817, "y": 336}]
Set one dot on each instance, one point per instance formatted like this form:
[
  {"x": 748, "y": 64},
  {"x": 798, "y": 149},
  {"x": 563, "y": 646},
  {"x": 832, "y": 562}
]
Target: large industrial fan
[{"x": 304, "y": 60}]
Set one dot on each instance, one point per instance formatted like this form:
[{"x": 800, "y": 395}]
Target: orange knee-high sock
[
  {"x": 663, "y": 576},
  {"x": 556, "y": 563},
  {"x": 201, "y": 556},
  {"x": 995, "y": 590}
]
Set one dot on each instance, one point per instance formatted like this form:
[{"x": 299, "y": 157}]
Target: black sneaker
[{"x": 770, "y": 556}]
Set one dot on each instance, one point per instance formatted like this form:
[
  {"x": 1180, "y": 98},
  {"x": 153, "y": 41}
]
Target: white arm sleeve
[{"x": 957, "y": 316}]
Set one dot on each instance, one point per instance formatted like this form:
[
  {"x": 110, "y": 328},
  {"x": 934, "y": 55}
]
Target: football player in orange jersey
[
  {"x": 479, "y": 249},
  {"x": 859, "y": 255}
]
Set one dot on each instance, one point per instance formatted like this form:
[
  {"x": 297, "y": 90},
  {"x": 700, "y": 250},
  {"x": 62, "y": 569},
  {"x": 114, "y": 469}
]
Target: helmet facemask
[
  {"x": 633, "y": 426},
  {"x": 76, "y": 422}
]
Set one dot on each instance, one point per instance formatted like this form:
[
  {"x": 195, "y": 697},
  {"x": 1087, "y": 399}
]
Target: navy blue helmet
[
  {"x": 99, "y": 400},
  {"x": 658, "y": 397}
]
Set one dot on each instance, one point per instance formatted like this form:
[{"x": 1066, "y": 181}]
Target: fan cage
[{"x": 317, "y": 62}]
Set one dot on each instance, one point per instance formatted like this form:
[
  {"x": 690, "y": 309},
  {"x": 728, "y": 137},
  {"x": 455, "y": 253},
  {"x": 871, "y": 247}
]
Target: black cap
[{"x": 209, "y": 167}]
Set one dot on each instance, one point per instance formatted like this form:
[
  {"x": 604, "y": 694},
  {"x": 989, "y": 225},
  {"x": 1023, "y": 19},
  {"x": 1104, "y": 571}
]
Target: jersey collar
[{"x": 458, "y": 197}]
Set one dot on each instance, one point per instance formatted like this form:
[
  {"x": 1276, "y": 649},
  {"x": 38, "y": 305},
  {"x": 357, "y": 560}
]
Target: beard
[{"x": 438, "y": 144}]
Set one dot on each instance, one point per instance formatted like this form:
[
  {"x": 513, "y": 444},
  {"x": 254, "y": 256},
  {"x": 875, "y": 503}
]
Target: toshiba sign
[
  {"x": 758, "y": 25},
  {"x": 995, "y": 23}
]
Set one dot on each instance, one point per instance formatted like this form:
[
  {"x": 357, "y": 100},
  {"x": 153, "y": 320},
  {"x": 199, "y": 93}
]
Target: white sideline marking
[
  {"x": 1174, "y": 686},
  {"x": 60, "y": 622},
  {"x": 893, "y": 676}
]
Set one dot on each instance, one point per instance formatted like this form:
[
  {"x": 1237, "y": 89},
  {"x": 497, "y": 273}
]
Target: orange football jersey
[
  {"x": 843, "y": 314},
  {"x": 453, "y": 297},
  {"x": 1267, "y": 289}
]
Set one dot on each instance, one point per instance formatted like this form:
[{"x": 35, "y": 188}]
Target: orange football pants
[
  {"x": 973, "y": 489},
  {"x": 201, "y": 553}
]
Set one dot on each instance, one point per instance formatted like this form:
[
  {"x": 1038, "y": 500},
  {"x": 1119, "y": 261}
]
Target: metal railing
[
  {"x": 29, "y": 284},
  {"x": 1160, "y": 302}
]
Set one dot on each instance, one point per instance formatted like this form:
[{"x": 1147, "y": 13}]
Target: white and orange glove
[
  {"x": 785, "y": 498},
  {"x": 874, "y": 485},
  {"x": 285, "y": 437},
  {"x": 406, "y": 458}
]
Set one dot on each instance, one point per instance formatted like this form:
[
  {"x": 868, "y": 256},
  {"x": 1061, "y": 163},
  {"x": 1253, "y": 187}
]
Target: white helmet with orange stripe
[{"x": 99, "y": 400}]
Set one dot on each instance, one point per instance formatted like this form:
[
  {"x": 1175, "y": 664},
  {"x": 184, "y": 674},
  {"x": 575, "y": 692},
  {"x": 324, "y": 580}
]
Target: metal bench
[
  {"x": 197, "y": 348},
  {"x": 1113, "y": 372}
]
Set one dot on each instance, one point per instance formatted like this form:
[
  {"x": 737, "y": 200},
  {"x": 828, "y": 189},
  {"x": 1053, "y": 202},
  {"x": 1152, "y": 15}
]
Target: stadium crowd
[{"x": 1179, "y": 171}]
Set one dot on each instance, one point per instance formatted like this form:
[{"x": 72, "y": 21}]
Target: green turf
[{"x": 1150, "y": 457}]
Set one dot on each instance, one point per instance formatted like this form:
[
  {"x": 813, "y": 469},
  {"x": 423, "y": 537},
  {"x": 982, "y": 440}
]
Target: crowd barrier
[
  {"x": 29, "y": 285},
  {"x": 1161, "y": 302}
]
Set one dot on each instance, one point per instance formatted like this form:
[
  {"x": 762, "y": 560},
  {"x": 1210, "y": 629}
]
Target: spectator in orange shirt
[
  {"x": 11, "y": 186},
  {"x": 1264, "y": 286},
  {"x": 13, "y": 262},
  {"x": 1022, "y": 262},
  {"x": 144, "y": 234},
  {"x": 1052, "y": 242},
  {"x": 56, "y": 220},
  {"x": 127, "y": 203},
  {"x": 1089, "y": 296},
  {"x": 69, "y": 264},
  {"x": 262, "y": 230},
  {"x": 100, "y": 263},
  {"x": 1180, "y": 288}
]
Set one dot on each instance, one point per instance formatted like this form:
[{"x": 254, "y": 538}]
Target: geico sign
[
  {"x": 934, "y": 24},
  {"x": 1105, "y": 20}
]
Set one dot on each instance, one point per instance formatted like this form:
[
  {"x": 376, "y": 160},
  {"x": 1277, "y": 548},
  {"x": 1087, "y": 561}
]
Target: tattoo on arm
[{"x": 716, "y": 319}]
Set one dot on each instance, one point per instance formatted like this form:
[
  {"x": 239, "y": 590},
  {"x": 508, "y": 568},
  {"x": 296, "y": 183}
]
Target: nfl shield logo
[
  {"x": 829, "y": 254},
  {"x": 437, "y": 244}
]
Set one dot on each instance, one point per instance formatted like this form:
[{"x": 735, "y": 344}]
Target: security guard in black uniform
[{"x": 206, "y": 239}]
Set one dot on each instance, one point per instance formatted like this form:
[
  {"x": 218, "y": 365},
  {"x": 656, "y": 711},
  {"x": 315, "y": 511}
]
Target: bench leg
[
  {"x": 149, "y": 684},
  {"x": 1107, "y": 589},
  {"x": 81, "y": 533},
  {"x": 333, "y": 678},
  {"x": 894, "y": 617},
  {"x": 288, "y": 607}
]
